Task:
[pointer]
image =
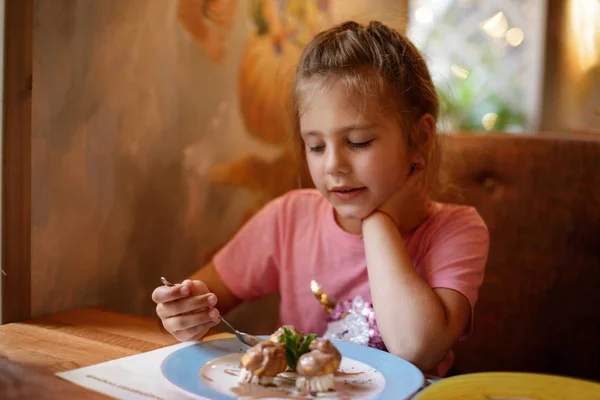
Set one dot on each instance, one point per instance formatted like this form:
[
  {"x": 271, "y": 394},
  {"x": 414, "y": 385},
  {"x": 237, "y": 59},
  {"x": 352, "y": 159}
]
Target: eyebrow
[{"x": 345, "y": 129}]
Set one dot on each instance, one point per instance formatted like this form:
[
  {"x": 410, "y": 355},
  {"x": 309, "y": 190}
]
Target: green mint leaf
[
  {"x": 291, "y": 359},
  {"x": 293, "y": 348},
  {"x": 286, "y": 334},
  {"x": 304, "y": 347},
  {"x": 295, "y": 344},
  {"x": 289, "y": 344}
]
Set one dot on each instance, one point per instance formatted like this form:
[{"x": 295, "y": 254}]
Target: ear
[{"x": 422, "y": 139}]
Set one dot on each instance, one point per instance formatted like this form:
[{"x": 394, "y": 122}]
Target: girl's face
[{"x": 357, "y": 160}]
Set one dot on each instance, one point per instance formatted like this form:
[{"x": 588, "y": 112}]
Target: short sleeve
[
  {"x": 249, "y": 263},
  {"x": 458, "y": 254}
]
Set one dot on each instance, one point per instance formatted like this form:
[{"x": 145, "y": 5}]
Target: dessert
[
  {"x": 314, "y": 360},
  {"x": 262, "y": 362},
  {"x": 316, "y": 368}
]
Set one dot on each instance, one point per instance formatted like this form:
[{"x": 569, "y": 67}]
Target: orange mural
[
  {"x": 156, "y": 133},
  {"x": 207, "y": 21},
  {"x": 266, "y": 77},
  {"x": 282, "y": 29}
]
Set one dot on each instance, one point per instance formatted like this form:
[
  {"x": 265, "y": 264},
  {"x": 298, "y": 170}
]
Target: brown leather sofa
[{"x": 539, "y": 305}]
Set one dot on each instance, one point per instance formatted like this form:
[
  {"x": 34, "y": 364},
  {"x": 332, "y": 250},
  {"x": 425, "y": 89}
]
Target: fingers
[
  {"x": 186, "y": 305},
  {"x": 186, "y": 309},
  {"x": 197, "y": 287},
  {"x": 194, "y": 333},
  {"x": 163, "y": 294},
  {"x": 205, "y": 319}
]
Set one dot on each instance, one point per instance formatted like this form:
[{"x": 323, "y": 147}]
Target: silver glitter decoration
[{"x": 354, "y": 326}]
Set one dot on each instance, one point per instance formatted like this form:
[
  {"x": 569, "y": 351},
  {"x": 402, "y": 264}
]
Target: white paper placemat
[{"x": 137, "y": 377}]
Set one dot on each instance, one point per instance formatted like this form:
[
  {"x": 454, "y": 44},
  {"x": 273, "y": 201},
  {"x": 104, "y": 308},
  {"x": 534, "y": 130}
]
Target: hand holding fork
[{"x": 198, "y": 313}]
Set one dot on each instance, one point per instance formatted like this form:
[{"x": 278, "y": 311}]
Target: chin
[{"x": 353, "y": 211}]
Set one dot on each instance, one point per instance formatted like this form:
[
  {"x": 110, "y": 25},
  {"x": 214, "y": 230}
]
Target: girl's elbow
[{"x": 421, "y": 354}]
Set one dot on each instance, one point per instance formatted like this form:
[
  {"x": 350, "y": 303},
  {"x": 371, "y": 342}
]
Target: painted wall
[{"x": 156, "y": 133}]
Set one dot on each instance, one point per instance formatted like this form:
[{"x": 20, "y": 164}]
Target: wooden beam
[
  {"x": 16, "y": 161},
  {"x": 553, "y": 82}
]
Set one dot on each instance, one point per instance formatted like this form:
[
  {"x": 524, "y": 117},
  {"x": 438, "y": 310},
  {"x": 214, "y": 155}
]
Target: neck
[
  {"x": 416, "y": 215},
  {"x": 353, "y": 226},
  {"x": 409, "y": 221}
]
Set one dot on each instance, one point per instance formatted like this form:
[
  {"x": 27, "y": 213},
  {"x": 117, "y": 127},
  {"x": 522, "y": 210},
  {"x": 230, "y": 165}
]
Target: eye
[
  {"x": 316, "y": 149},
  {"x": 360, "y": 145}
]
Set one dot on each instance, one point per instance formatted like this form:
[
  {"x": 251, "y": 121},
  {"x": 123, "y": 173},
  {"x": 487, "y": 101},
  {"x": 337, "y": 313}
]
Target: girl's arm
[{"x": 417, "y": 323}]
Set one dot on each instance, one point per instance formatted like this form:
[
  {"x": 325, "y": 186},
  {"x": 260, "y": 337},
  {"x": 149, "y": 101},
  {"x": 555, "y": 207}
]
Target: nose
[{"x": 336, "y": 163}]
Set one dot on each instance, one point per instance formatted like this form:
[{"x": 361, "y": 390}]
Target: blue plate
[{"x": 182, "y": 367}]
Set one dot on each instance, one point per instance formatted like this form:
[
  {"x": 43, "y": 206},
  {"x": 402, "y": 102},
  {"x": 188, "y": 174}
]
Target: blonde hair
[{"x": 374, "y": 61}]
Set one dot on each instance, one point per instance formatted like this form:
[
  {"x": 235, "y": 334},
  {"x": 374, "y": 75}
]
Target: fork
[{"x": 245, "y": 338}]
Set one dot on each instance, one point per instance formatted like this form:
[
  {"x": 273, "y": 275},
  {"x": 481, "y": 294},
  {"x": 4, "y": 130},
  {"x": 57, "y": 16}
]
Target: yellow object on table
[{"x": 511, "y": 386}]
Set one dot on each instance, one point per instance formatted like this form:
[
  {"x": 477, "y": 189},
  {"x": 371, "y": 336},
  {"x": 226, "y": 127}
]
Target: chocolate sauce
[{"x": 232, "y": 372}]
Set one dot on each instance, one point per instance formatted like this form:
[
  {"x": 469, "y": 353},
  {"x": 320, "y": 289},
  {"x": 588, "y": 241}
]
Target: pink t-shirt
[{"x": 295, "y": 239}]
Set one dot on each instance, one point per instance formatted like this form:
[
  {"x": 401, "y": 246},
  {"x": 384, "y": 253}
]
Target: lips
[{"x": 347, "y": 193}]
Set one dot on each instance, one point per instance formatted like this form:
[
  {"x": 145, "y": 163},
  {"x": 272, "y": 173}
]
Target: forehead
[{"x": 328, "y": 102}]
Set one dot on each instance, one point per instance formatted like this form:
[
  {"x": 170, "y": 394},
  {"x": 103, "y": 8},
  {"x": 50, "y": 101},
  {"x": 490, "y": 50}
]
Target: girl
[{"x": 366, "y": 113}]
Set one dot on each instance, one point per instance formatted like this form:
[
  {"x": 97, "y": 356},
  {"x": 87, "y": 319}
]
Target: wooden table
[{"x": 34, "y": 350}]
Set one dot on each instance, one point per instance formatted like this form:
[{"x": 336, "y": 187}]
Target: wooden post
[{"x": 16, "y": 157}]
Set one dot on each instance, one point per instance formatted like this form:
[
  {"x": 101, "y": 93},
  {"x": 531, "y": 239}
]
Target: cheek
[
  {"x": 385, "y": 166},
  {"x": 385, "y": 174},
  {"x": 314, "y": 168}
]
